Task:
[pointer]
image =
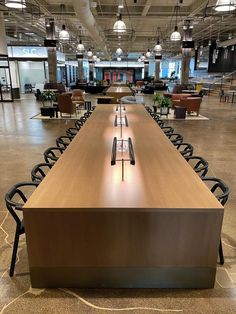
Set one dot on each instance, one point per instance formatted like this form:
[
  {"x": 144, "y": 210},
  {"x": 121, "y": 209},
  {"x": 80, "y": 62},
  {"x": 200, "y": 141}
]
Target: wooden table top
[
  {"x": 118, "y": 89},
  {"x": 83, "y": 177}
]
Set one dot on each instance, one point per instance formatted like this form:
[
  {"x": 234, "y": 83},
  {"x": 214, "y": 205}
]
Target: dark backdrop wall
[{"x": 223, "y": 63}]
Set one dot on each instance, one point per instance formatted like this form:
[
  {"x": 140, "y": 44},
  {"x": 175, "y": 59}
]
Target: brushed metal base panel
[{"x": 163, "y": 277}]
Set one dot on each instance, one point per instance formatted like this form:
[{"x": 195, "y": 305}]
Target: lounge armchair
[
  {"x": 65, "y": 104},
  {"x": 78, "y": 98},
  {"x": 192, "y": 104}
]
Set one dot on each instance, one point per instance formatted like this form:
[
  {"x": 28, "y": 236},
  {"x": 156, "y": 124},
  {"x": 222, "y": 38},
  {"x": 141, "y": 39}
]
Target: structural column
[
  {"x": 146, "y": 69},
  {"x": 52, "y": 51},
  {"x": 80, "y": 68},
  {"x": 186, "y": 52},
  {"x": 91, "y": 70},
  {"x": 157, "y": 66},
  {"x": 3, "y": 37}
]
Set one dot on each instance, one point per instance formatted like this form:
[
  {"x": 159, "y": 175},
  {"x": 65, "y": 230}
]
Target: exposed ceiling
[{"x": 145, "y": 20}]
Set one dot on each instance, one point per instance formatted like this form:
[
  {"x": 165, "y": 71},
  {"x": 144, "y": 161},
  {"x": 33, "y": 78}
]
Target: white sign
[{"x": 32, "y": 52}]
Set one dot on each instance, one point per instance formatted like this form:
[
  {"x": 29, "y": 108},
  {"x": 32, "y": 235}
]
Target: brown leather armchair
[
  {"x": 65, "y": 104},
  {"x": 78, "y": 98},
  {"x": 176, "y": 98},
  {"x": 191, "y": 104}
]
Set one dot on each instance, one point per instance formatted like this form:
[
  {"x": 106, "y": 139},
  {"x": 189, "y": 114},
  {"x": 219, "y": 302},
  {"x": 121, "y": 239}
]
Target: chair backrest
[
  {"x": 38, "y": 173},
  {"x": 63, "y": 141},
  {"x": 77, "y": 93},
  {"x": 185, "y": 149},
  {"x": 52, "y": 154},
  {"x": 218, "y": 188},
  {"x": 167, "y": 130},
  {"x": 179, "y": 96},
  {"x": 175, "y": 138},
  {"x": 72, "y": 132},
  {"x": 191, "y": 103},
  {"x": 199, "y": 164},
  {"x": 17, "y": 192},
  {"x": 65, "y": 104}
]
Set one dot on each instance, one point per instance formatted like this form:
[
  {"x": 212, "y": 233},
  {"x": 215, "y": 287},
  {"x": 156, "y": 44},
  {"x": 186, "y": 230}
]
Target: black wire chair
[
  {"x": 72, "y": 132},
  {"x": 221, "y": 192},
  {"x": 167, "y": 130},
  {"x": 175, "y": 138},
  {"x": 160, "y": 123},
  {"x": 38, "y": 173},
  {"x": 52, "y": 154},
  {"x": 199, "y": 164},
  {"x": 63, "y": 141},
  {"x": 17, "y": 191},
  {"x": 185, "y": 149}
]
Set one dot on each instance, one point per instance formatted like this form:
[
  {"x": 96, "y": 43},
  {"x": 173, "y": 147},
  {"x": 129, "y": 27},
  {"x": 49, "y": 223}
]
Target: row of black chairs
[
  {"x": 17, "y": 196},
  {"x": 199, "y": 164}
]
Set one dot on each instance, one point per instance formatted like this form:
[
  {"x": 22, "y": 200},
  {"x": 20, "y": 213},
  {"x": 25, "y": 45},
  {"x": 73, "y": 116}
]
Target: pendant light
[
  {"x": 98, "y": 60},
  {"x": 225, "y": 5},
  {"x": 64, "y": 35},
  {"x": 139, "y": 59},
  {"x": 148, "y": 53},
  {"x": 175, "y": 36},
  {"x": 119, "y": 26},
  {"x": 95, "y": 58},
  {"x": 89, "y": 53},
  {"x": 80, "y": 46},
  {"x": 143, "y": 57},
  {"x": 15, "y": 4},
  {"x": 158, "y": 47},
  {"x": 118, "y": 59},
  {"x": 119, "y": 51}
]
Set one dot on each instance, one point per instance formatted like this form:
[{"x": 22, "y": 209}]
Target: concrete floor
[{"x": 23, "y": 141}]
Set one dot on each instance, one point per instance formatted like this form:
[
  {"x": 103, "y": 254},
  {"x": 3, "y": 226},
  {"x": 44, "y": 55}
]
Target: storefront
[{"x": 29, "y": 67}]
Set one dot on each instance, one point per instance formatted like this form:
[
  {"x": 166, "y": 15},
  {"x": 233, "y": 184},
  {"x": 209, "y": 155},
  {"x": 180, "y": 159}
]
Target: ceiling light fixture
[
  {"x": 225, "y": 5},
  {"x": 119, "y": 25},
  {"x": 119, "y": 51},
  {"x": 15, "y": 4},
  {"x": 139, "y": 60},
  {"x": 118, "y": 59},
  {"x": 158, "y": 47},
  {"x": 98, "y": 60},
  {"x": 80, "y": 46},
  {"x": 89, "y": 53},
  {"x": 143, "y": 57},
  {"x": 64, "y": 35},
  {"x": 121, "y": 4},
  {"x": 148, "y": 53},
  {"x": 175, "y": 36},
  {"x": 95, "y": 58}
]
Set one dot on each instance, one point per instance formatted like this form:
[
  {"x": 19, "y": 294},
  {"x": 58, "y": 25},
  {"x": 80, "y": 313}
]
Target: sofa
[
  {"x": 192, "y": 104},
  {"x": 55, "y": 86}
]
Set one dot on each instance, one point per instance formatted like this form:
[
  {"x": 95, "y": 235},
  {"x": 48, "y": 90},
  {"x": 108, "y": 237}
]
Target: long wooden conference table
[
  {"x": 118, "y": 91},
  {"x": 85, "y": 227}
]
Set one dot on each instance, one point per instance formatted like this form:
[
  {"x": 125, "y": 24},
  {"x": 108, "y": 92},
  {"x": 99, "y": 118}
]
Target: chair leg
[
  {"x": 14, "y": 253},
  {"x": 221, "y": 253}
]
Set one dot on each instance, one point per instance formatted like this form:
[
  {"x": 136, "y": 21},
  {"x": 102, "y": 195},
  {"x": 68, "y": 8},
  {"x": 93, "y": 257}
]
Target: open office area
[{"x": 117, "y": 133}]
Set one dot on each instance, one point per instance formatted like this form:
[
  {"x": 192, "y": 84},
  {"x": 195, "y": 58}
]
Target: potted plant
[
  {"x": 156, "y": 100},
  {"x": 47, "y": 98},
  {"x": 164, "y": 105}
]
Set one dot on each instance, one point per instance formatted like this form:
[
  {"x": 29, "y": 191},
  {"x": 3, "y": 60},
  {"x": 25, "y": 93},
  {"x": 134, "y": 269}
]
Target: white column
[{"x": 3, "y": 37}]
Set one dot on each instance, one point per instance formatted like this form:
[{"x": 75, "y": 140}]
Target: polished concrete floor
[{"x": 22, "y": 142}]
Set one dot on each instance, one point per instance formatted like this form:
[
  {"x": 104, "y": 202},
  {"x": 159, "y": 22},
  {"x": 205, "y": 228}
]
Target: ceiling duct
[
  {"x": 226, "y": 43},
  {"x": 86, "y": 18}
]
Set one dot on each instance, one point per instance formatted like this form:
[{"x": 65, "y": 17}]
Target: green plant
[
  {"x": 157, "y": 98},
  {"x": 161, "y": 101},
  {"x": 48, "y": 96}
]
